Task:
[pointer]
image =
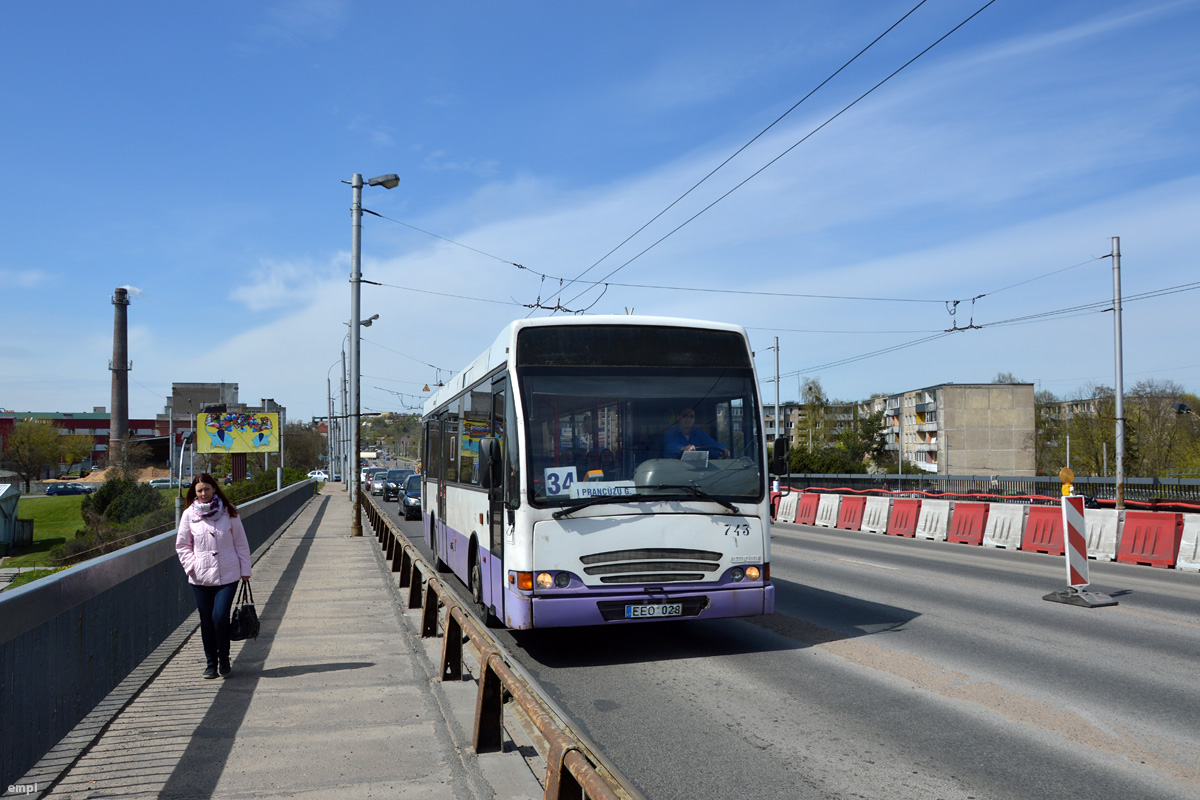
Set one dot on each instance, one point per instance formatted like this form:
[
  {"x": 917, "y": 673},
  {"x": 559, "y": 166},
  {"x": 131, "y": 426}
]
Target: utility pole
[
  {"x": 1120, "y": 388},
  {"x": 777, "y": 387}
]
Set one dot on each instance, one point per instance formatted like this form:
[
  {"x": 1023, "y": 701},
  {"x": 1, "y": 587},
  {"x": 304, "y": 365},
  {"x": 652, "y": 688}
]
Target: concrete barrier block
[
  {"x": 934, "y": 520},
  {"x": 1189, "y": 546},
  {"x": 827, "y": 511},
  {"x": 876, "y": 513},
  {"x": 1005, "y": 525},
  {"x": 1103, "y": 532}
]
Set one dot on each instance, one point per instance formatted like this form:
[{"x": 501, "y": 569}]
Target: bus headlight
[
  {"x": 545, "y": 580},
  {"x": 562, "y": 580},
  {"x": 737, "y": 573},
  {"x": 752, "y": 573}
]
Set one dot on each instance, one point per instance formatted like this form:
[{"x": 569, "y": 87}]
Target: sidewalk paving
[{"x": 338, "y": 696}]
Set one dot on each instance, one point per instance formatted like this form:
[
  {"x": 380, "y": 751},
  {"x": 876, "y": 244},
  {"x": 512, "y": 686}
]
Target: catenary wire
[
  {"x": 805, "y": 138},
  {"x": 738, "y": 152}
]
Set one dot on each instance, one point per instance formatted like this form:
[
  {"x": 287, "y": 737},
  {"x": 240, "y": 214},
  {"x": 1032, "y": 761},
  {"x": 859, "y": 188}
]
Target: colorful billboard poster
[
  {"x": 473, "y": 431},
  {"x": 233, "y": 432}
]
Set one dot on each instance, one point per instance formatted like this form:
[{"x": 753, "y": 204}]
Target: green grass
[
  {"x": 55, "y": 520},
  {"x": 33, "y": 575}
]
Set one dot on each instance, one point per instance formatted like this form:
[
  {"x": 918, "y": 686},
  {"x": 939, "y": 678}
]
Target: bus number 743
[{"x": 737, "y": 530}]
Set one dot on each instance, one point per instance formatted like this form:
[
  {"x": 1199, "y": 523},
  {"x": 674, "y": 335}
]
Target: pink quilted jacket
[{"x": 213, "y": 551}]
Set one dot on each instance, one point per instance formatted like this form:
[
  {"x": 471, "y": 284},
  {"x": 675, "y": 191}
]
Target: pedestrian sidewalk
[{"x": 337, "y": 697}]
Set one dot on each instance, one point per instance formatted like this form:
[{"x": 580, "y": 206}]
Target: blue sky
[{"x": 196, "y": 153}]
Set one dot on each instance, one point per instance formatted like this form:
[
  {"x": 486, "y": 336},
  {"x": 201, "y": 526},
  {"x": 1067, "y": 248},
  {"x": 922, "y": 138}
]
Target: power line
[
  {"x": 805, "y": 138},
  {"x": 756, "y": 137},
  {"x": 1062, "y": 313},
  {"x": 405, "y": 355}
]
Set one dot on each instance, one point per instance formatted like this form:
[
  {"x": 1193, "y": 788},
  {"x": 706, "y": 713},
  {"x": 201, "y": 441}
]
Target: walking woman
[{"x": 213, "y": 550}]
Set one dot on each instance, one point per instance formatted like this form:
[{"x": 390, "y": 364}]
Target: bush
[
  {"x": 261, "y": 484},
  {"x": 97, "y": 503},
  {"x": 134, "y": 502}
]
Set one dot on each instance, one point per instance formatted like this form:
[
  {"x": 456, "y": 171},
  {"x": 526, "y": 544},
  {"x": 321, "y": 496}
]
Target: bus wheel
[
  {"x": 477, "y": 586},
  {"x": 489, "y": 619}
]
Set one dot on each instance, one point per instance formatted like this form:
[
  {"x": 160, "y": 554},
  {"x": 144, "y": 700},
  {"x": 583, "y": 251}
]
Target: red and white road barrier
[
  {"x": 1075, "y": 541},
  {"x": 1075, "y": 550}
]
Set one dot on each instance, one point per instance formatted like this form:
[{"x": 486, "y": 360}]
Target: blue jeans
[{"x": 215, "y": 603}]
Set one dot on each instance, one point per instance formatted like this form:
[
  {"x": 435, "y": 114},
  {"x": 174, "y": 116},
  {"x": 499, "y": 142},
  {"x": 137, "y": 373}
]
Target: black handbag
[{"x": 243, "y": 623}]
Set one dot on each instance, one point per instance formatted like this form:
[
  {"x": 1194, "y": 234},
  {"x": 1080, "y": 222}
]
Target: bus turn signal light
[{"x": 525, "y": 581}]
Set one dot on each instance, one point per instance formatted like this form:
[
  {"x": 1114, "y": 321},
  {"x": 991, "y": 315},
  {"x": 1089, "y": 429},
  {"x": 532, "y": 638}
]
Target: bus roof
[{"x": 498, "y": 353}]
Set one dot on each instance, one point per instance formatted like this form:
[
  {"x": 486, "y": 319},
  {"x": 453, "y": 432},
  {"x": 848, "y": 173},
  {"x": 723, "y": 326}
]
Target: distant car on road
[
  {"x": 412, "y": 497},
  {"x": 377, "y": 479},
  {"x": 229, "y": 478},
  {"x": 165, "y": 483},
  {"x": 69, "y": 488},
  {"x": 393, "y": 483}
]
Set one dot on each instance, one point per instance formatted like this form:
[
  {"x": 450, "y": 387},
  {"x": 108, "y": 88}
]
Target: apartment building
[
  {"x": 962, "y": 428},
  {"x": 949, "y": 429}
]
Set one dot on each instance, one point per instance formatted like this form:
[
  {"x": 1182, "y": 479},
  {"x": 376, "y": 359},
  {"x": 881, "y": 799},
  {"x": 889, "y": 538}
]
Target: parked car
[
  {"x": 319, "y": 474},
  {"x": 69, "y": 488},
  {"x": 393, "y": 483},
  {"x": 412, "y": 497},
  {"x": 229, "y": 478}
]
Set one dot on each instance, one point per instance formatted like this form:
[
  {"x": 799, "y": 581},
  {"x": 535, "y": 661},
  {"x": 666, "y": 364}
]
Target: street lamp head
[
  {"x": 366, "y": 323},
  {"x": 389, "y": 181},
  {"x": 1180, "y": 408}
]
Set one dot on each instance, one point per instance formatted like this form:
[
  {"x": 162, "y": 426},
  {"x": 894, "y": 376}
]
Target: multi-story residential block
[
  {"x": 950, "y": 429},
  {"x": 963, "y": 429}
]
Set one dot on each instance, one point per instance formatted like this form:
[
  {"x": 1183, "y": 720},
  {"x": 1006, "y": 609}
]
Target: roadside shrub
[
  {"x": 133, "y": 502},
  {"x": 97, "y": 503}
]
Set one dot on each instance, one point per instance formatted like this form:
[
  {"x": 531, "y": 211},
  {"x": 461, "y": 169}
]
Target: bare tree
[
  {"x": 129, "y": 458},
  {"x": 1150, "y": 411}
]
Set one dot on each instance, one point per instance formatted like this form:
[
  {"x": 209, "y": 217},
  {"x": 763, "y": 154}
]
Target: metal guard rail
[{"x": 570, "y": 771}]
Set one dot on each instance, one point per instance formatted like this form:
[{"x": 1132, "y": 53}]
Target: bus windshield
[{"x": 636, "y": 434}]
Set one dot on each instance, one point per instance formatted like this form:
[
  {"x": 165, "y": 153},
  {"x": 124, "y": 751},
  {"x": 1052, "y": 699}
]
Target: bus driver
[{"x": 683, "y": 437}]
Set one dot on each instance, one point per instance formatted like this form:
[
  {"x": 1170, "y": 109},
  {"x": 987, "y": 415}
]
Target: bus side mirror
[
  {"x": 779, "y": 457},
  {"x": 489, "y": 462}
]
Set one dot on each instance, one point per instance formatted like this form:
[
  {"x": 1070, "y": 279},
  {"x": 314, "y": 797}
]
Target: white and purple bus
[{"x": 595, "y": 470}]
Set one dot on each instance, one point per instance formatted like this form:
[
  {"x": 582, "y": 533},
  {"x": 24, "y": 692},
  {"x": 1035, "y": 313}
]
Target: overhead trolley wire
[
  {"x": 805, "y": 138},
  {"x": 1102, "y": 306},
  {"x": 756, "y": 137}
]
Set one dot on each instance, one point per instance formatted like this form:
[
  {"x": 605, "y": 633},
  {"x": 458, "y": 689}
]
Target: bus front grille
[
  {"x": 652, "y": 565},
  {"x": 650, "y": 553}
]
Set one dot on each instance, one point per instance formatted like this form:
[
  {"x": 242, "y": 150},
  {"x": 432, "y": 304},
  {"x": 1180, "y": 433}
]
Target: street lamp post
[{"x": 389, "y": 181}]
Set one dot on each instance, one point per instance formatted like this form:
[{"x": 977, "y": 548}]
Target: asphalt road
[{"x": 897, "y": 668}]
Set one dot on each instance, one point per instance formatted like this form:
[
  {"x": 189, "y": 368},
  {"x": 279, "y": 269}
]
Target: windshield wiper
[
  {"x": 593, "y": 501},
  {"x": 698, "y": 492}
]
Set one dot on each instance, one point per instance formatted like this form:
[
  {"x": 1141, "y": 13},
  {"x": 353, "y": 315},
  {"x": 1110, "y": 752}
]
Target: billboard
[{"x": 234, "y": 432}]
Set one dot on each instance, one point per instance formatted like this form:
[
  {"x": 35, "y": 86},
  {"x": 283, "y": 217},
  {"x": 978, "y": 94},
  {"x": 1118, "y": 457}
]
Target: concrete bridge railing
[{"x": 67, "y": 640}]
